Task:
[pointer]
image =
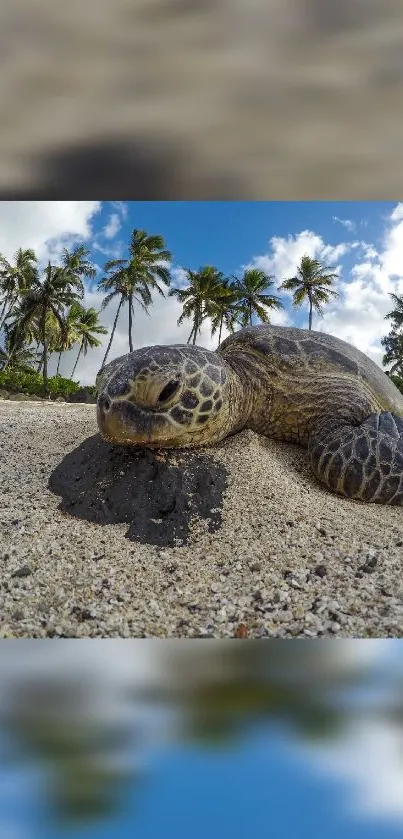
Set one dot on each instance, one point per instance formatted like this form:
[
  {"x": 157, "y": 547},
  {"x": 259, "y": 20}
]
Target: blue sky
[
  {"x": 229, "y": 234},
  {"x": 362, "y": 241}
]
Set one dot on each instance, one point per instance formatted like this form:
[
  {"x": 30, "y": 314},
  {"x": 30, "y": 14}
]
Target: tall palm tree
[
  {"x": 68, "y": 338},
  {"x": 16, "y": 278},
  {"x": 87, "y": 327},
  {"x": 312, "y": 282},
  {"x": 227, "y": 309},
  {"x": 199, "y": 297},
  {"x": 252, "y": 294},
  {"x": 134, "y": 278},
  {"x": 76, "y": 264},
  {"x": 50, "y": 295}
]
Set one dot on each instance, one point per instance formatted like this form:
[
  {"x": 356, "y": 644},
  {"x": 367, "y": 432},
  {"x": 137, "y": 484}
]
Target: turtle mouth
[{"x": 125, "y": 423}]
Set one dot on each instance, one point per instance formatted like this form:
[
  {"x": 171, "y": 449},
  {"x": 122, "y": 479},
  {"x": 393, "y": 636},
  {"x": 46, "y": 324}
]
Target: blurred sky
[
  {"x": 154, "y": 99},
  {"x": 266, "y": 782},
  {"x": 257, "y": 788}
]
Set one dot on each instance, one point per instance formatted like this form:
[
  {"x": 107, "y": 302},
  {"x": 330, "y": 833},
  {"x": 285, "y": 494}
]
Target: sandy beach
[{"x": 103, "y": 541}]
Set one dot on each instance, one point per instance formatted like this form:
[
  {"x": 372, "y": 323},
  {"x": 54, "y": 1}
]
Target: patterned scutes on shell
[{"x": 299, "y": 350}]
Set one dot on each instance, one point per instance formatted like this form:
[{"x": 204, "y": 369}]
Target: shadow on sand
[{"x": 156, "y": 494}]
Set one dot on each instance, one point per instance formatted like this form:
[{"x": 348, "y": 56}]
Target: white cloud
[
  {"x": 121, "y": 207},
  {"x": 358, "y": 315},
  {"x": 347, "y": 223},
  {"x": 397, "y": 212},
  {"x": 286, "y": 252},
  {"x": 179, "y": 277},
  {"x": 45, "y": 226},
  {"x": 112, "y": 227},
  {"x": 115, "y": 251}
]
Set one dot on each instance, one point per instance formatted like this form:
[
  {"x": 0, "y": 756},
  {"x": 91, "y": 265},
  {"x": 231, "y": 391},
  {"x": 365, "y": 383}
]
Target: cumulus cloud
[
  {"x": 45, "y": 226},
  {"x": 358, "y": 314},
  {"x": 285, "y": 253},
  {"x": 112, "y": 227},
  {"x": 120, "y": 207},
  {"x": 397, "y": 213},
  {"x": 178, "y": 276},
  {"x": 347, "y": 223}
]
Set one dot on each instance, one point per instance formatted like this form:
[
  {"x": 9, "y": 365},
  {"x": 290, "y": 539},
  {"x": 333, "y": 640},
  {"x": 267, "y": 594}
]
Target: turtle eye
[{"x": 168, "y": 391}]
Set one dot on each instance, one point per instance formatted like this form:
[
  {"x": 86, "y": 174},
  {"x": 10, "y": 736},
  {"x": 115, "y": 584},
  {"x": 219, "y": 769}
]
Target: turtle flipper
[{"x": 364, "y": 461}]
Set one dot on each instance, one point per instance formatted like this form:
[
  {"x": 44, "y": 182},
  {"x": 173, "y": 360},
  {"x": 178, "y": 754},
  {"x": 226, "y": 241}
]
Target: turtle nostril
[{"x": 104, "y": 403}]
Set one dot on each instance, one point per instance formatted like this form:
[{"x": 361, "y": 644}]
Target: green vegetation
[
  {"x": 26, "y": 380},
  {"x": 31, "y": 382},
  {"x": 393, "y": 343},
  {"x": 41, "y": 309}
]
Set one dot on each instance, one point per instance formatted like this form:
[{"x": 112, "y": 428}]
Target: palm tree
[
  {"x": 133, "y": 279},
  {"x": 227, "y": 309},
  {"x": 87, "y": 327},
  {"x": 251, "y": 291},
  {"x": 51, "y": 295},
  {"x": 199, "y": 298},
  {"x": 393, "y": 344},
  {"x": 76, "y": 265},
  {"x": 17, "y": 341},
  {"x": 312, "y": 283},
  {"x": 396, "y": 315},
  {"x": 18, "y": 355},
  {"x": 68, "y": 338},
  {"x": 16, "y": 279}
]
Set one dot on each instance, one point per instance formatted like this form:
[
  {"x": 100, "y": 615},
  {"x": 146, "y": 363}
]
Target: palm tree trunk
[
  {"x": 250, "y": 313},
  {"x": 310, "y": 312},
  {"x": 112, "y": 333},
  {"x": 197, "y": 323},
  {"x": 130, "y": 323},
  {"x": 79, "y": 353},
  {"x": 58, "y": 363},
  {"x": 8, "y": 304},
  {"x": 195, "y": 328},
  {"x": 219, "y": 334},
  {"x": 45, "y": 353},
  {"x": 2, "y": 311}
]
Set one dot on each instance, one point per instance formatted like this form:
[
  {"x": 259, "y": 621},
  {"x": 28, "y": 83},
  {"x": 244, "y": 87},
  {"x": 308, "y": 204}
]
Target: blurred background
[
  {"x": 201, "y": 99},
  {"x": 145, "y": 739}
]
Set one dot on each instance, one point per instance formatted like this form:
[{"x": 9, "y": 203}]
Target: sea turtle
[{"x": 289, "y": 384}]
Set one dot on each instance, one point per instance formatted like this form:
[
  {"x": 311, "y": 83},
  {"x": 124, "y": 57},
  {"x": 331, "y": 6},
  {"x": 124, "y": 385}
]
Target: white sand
[{"x": 258, "y": 568}]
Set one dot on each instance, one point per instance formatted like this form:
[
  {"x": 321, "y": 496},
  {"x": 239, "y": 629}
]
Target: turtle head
[{"x": 164, "y": 397}]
